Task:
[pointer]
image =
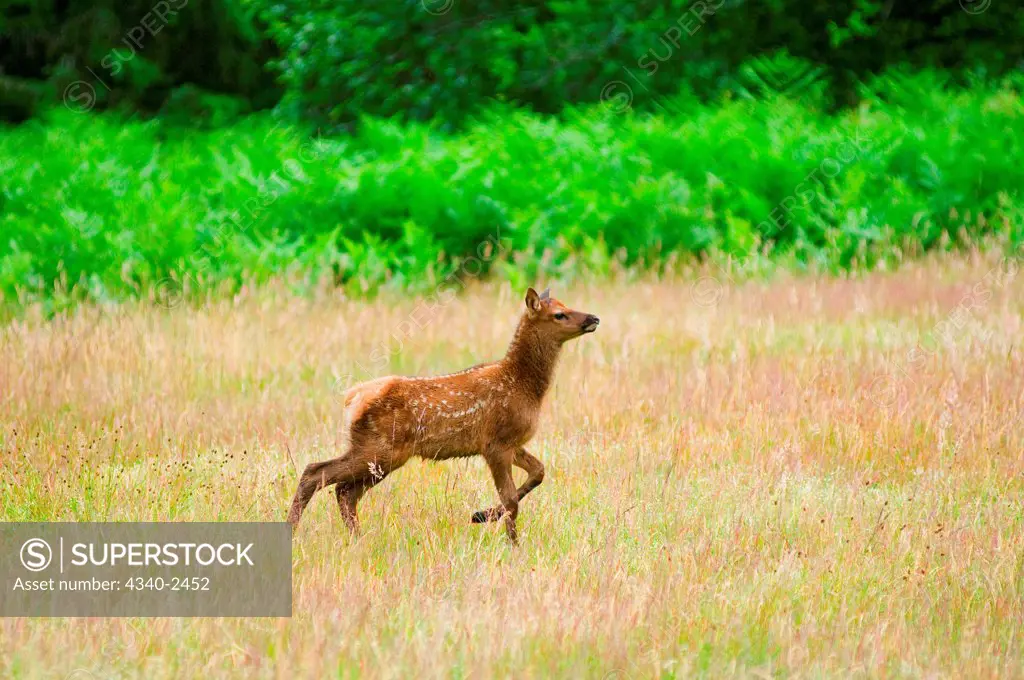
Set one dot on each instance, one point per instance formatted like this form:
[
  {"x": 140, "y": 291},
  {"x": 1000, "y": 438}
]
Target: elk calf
[{"x": 489, "y": 410}]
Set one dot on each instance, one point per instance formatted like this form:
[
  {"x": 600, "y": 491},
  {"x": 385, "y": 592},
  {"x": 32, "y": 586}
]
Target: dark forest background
[{"x": 441, "y": 59}]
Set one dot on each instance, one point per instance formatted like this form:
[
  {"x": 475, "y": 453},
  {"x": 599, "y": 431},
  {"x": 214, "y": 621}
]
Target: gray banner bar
[{"x": 145, "y": 569}]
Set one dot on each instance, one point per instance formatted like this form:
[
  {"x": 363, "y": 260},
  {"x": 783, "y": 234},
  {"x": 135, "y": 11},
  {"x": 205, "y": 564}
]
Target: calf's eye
[{"x": 560, "y": 316}]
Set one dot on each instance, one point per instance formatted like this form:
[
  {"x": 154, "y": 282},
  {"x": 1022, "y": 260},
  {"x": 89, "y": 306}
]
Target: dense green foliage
[
  {"x": 512, "y": 130},
  {"x": 105, "y": 208}
]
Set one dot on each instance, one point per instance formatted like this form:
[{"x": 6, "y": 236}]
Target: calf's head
[{"x": 552, "y": 318}]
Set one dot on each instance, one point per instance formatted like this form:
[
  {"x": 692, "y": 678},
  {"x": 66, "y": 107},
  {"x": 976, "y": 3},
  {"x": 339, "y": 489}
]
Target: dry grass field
[{"x": 805, "y": 477}]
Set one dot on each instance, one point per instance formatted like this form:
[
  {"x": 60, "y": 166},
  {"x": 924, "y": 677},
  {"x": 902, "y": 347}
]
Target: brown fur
[{"x": 489, "y": 410}]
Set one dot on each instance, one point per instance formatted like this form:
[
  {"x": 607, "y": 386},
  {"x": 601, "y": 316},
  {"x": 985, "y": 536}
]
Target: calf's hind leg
[
  {"x": 348, "y": 497},
  {"x": 316, "y": 476},
  {"x": 349, "y": 493}
]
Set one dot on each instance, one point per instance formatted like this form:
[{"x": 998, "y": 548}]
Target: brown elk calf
[{"x": 489, "y": 410}]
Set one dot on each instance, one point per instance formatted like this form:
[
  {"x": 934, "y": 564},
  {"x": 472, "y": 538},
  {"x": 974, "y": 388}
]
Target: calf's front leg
[
  {"x": 501, "y": 470},
  {"x": 535, "y": 475}
]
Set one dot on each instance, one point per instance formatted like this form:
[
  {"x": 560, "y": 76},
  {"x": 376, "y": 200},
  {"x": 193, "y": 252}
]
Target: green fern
[{"x": 780, "y": 75}]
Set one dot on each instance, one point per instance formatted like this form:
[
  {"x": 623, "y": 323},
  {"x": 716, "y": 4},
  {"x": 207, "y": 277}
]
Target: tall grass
[
  {"x": 813, "y": 477},
  {"x": 104, "y": 208}
]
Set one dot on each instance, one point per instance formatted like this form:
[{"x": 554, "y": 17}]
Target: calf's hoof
[{"x": 491, "y": 515}]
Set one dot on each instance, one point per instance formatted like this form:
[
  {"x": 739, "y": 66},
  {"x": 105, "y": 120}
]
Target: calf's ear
[{"x": 532, "y": 300}]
